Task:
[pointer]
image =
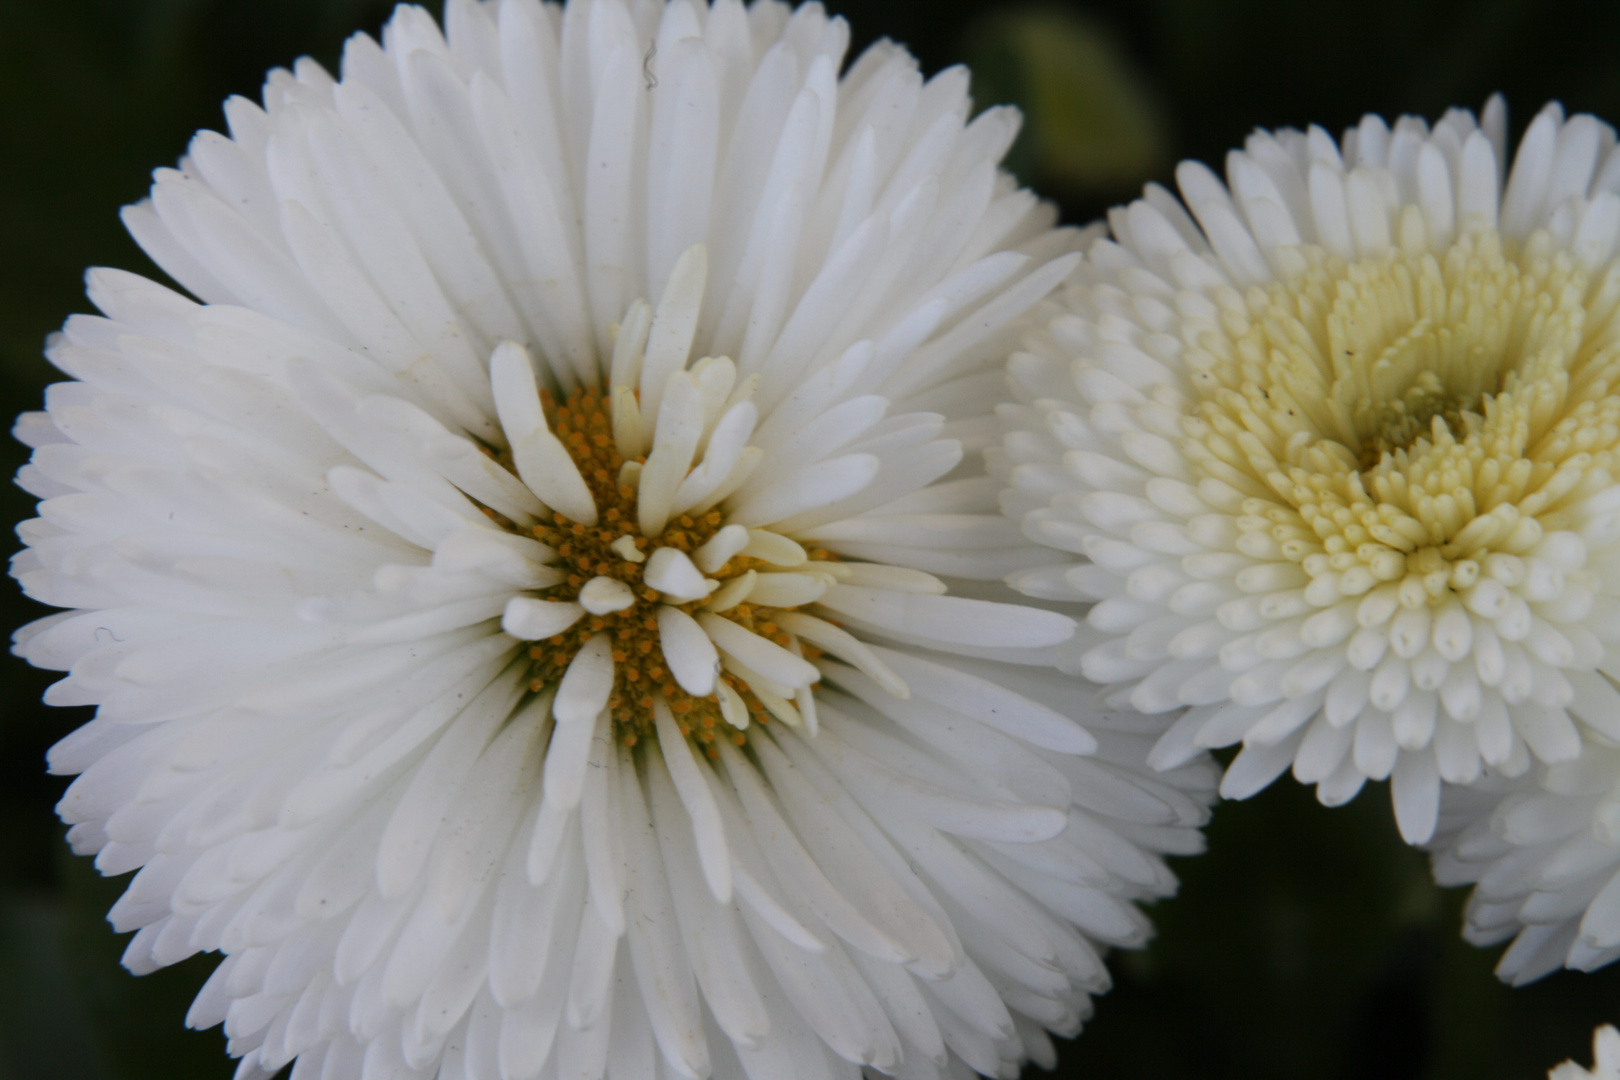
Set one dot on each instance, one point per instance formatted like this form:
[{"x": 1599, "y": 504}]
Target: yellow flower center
[
  {"x": 1404, "y": 417},
  {"x": 614, "y": 548}
]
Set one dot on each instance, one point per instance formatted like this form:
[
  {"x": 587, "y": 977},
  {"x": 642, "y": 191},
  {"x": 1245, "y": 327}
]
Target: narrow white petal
[
  {"x": 586, "y": 684},
  {"x": 896, "y": 578},
  {"x": 809, "y": 488},
  {"x": 699, "y": 802},
  {"x": 552, "y": 827},
  {"x": 1414, "y": 786},
  {"x": 800, "y": 873},
  {"x": 766, "y": 657},
  {"x": 725, "y": 451},
  {"x": 670, "y": 340},
  {"x": 999, "y": 706},
  {"x": 525, "y": 938},
  {"x": 629, "y": 428},
  {"x": 528, "y": 619},
  {"x": 542, "y": 461},
  {"x": 661, "y": 966},
  {"x": 515, "y": 560},
  {"x": 624, "y": 371},
  {"x": 688, "y": 651},
  {"x": 949, "y": 618},
  {"x": 782, "y": 706},
  {"x": 591, "y": 984},
  {"x": 732, "y": 707},
  {"x": 675, "y": 439},
  {"x": 567, "y": 761},
  {"x": 599, "y": 826},
  {"x": 719, "y": 548},
  {"x": 787, "y": 590},
  {"x": 845, "y": 646},
  {"x": 671, "y": 572},
  {"x": 602, "y": 595},
  {"x": 732, "y": 592},
  {"x": 774, "y": 548}
]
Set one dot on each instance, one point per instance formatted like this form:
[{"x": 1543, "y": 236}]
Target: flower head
[
  {"x": 1335, "y": 455},
  {"x": 510, "y": 596}
]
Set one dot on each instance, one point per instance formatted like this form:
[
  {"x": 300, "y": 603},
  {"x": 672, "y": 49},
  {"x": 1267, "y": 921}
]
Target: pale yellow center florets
[{"x": 1405, "y": 418}]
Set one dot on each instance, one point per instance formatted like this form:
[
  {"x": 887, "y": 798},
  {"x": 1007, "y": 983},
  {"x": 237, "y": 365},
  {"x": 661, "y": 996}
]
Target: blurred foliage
[
  {"x": 1092, "y": 126},
  {"x": 1307, "y": 942}
]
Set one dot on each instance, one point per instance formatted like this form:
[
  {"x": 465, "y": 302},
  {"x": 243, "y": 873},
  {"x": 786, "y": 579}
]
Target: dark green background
[{"x": 1307, "y": 943}]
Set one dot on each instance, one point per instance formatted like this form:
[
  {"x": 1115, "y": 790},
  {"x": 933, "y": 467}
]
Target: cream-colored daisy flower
[{"x": 1331, "y": 449}]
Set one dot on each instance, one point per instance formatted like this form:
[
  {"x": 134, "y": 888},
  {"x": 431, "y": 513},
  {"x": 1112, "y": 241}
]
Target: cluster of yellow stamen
[
  {"x": 1404, "y": 416},
  {"x": 583, "y": 424}
]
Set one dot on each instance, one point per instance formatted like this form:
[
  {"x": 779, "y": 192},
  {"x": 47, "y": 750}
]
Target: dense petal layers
[
  {"x": 541, "y": 604},
  {"x": 1332, "y": 456},
  {"x": 1542, "y": 851}
]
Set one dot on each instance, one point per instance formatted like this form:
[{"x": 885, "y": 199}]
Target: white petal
[
  {"x": 774, "y": 548},
  {"x": 671, "y": 572},
  {"x": 591, "y": 984},
  {"x": 787, "y": 590},
  {"x": 719, "y": 548},
  {"x": 602, "y": 595},
  {"x": 528, "y": 619},
  {"x": 670, "y": 339},
  {"x": 845, "y": 646},
  {"x": 949, "y": 618},
  {"x": 999, "y": 706},
  {"x": 732, "y": 592},
  {"x": 699, "y": 802},
  {"x": 732, "y": 707},
  {"x": 809, "y": 488},
  {"x": 587, "y": 683},
  {"x": 661, "y": 966},
  {"x": 675, "y": 438},
  {"x": 567, "y": 760},
  {"x": 599, "y": 828},
  {"x": 767, "y": 657},
  {"x": 688, "y": 651},
  {"x": 542, "y": 461}
]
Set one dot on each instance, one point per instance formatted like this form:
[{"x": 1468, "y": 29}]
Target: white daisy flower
[
  {"x": 1605, "y": 1059},
  {"x": 510, "y": 596},
  {"x": 1334, "y": 455},
  {"x": 1542, "y": 851}
]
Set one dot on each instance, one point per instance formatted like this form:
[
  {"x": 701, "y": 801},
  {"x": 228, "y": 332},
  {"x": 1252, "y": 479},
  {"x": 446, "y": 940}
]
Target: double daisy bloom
[{"x": 644, "y": 554}]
